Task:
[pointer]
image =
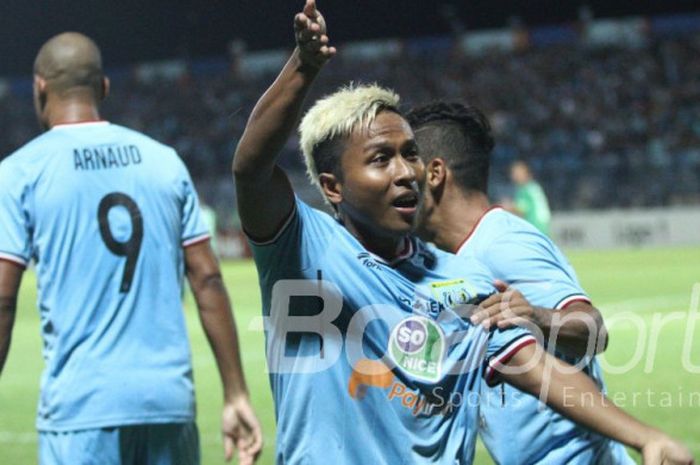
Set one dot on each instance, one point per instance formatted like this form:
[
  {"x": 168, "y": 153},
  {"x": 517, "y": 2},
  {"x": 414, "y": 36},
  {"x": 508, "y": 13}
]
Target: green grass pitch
[{"x": 649, "y": 284}]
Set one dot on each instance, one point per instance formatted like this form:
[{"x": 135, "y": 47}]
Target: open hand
[
  {"x": 241, "y": 430},
  {"x": 504, "y": 309},
  {"x": 310, "y": 32},
  {"x": 666, "y": 451}
]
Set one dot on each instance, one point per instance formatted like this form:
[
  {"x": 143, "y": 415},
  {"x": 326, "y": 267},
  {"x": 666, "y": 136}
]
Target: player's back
[{"x": 106, "y": 212}]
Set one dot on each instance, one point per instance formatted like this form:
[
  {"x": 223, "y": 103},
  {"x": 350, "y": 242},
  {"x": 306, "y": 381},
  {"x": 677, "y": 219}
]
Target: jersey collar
[
  {"x": 406, "y": 250},
  {"x": 475, "y": 227},
  {"x": 99, "y": 122}
]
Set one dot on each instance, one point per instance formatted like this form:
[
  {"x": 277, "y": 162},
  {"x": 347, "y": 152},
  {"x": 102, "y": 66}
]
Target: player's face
[
  {"x": 519, "y": 174},
  {"x": 383, "y": 177}
]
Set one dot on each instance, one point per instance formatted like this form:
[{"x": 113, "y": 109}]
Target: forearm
[
  {"x": 220, "y": 328},
  {"x": 577, "y": 397},
  {"x": 272, "y": 121},
  {"x": 578, "y": 330},
  {"x": 7, "y": 318}
]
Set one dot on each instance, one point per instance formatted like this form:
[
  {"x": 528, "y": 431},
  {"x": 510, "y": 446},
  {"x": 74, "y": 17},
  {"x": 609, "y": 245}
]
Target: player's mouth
[{"x": 406, "y": 204}]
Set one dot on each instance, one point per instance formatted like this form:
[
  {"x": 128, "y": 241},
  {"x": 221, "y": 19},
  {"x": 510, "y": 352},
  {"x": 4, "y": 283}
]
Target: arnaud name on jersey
[{"x": 106, "y": 157}]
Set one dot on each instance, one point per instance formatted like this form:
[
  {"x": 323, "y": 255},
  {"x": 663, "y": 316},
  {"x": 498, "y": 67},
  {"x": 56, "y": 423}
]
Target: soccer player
[
  {"x": 530, "y": 201},
  {"x": 111, "y": 219},
  {"x": 456, "y": 142},
  {"x": 366, "y": 346}
]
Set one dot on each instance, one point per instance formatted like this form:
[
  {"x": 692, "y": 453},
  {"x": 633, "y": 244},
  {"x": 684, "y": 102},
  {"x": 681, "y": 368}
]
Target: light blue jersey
[
  {"x": 516, "y": 428},
  {"x": 104, "y": 212},
  {"x": 370, "y": 362}
]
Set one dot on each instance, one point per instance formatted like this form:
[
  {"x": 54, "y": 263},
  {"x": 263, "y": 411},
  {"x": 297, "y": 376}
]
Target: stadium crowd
[{"x": 601, "y": 127}]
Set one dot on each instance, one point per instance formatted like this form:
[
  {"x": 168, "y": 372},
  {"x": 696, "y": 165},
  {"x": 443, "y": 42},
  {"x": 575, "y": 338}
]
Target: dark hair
[
  {"x": 327, "y": 156},
  {"x": 461, "y": 135}
]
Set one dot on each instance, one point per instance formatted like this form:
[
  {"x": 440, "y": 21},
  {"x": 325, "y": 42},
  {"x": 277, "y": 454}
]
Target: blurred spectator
[
  {"x": 600, "y": 128},
  {"x": 530, "y": 202}
]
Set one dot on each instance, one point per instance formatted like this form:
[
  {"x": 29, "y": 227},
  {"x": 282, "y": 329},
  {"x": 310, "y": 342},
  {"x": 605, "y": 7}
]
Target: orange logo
[
  {"x": 369, "y": 373},
  {"x": 373, "y": 373}
]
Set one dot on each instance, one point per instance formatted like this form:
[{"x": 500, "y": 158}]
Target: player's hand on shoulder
[
  {"x": 241, "y": 430},
  {"x": 504, "y": 309},
  {"x": 663, "y": 450},
  {"x": 311, "y": 36}
]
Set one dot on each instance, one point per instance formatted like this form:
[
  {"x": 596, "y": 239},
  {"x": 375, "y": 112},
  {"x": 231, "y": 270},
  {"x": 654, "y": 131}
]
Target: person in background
[
  {"x": 530, "y": 201},
  {"x": 112, "y": 221}
]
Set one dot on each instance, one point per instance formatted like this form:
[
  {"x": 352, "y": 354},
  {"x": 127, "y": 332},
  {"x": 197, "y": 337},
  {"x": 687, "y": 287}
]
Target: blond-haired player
[{"x": 370, "y": 358}]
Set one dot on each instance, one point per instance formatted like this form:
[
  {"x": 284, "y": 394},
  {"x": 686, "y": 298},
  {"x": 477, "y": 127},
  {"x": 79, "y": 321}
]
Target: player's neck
[
  {"x": 71, "y": 112},
  {"x": 386, "y": 247},
  {"x": 456, "y": 217}
]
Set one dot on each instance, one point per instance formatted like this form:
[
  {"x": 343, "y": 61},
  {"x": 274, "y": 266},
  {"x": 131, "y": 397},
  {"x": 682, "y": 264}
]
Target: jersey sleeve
[
  {"x": 531, "y": 263},
  {"x": 503, "y": 345},
  {"x": 15, "y": 219},
  {"x": 194, "y": 229},
  {"x": 305, "y": 232}
]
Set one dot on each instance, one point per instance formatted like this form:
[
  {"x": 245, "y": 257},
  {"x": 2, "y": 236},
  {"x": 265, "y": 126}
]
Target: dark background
[{"x": 131, "y": 31}]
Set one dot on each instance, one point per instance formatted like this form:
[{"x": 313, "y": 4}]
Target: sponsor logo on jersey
[
  {"x": 454, "y": 292},
  {"x": 417, "y": 346},
  {"x": 368, "y": 261}
]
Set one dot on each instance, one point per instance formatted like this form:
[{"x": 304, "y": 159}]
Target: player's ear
[
  {"x": 39, "y": 93},
  {"x": 39, "y": 85},
  {"x": 436, "y": 173},
  {"x": 105, "y": 87},
  {"x": 331, "y": 187}
]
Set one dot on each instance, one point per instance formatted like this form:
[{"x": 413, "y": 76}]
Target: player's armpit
[{"x": 265, "y": 207}]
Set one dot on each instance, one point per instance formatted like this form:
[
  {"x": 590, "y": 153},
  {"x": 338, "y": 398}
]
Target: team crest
[{"x": 453, "y": 293}]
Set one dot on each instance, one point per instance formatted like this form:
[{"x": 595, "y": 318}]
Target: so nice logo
[{"x": 417, "y": 345}]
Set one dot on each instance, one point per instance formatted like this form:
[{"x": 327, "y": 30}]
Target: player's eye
[
  {"x": 411, "y": 154},
  {"x": 380, "y": 157}
]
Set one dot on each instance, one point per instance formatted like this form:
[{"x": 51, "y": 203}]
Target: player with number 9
[{"x": 112, "y": 220}]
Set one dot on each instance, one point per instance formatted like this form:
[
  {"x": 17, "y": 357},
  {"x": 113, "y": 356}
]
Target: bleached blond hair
[{"x": 337, "y": 115}]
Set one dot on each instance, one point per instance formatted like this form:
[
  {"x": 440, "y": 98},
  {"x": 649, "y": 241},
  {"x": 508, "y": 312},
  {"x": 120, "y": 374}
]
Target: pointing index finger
[{"x": 310, "y": 9}]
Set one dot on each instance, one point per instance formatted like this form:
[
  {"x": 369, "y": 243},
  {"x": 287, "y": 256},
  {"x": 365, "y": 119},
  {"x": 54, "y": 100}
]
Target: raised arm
[
  {"x": 265, "y": 196},
  {"x": 575, "y": 395},
  {"x": 240, "y": 426},
  {"x": 10, "y": 277}
]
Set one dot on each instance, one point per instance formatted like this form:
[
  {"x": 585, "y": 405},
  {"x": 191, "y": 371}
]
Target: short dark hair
[{"x": 461, "y": 135}]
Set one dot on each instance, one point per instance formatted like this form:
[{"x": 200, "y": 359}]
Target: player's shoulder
[
  {"x": 321, "y": 220},
  {"x": 500, "y": 225},
  {"x": 21, "y": 160},
  {"x": 137, "y": 136},
  {"x": 449, "y": 264}
]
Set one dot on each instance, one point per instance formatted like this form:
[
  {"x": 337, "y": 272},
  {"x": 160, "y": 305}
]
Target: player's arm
[
  {"x": 265, "y": 197},
  {"x": 576, "y": 396},
  {"x": 10, "y": 278},
  {"x": 240, "y": 425},
  {"x": 578, "y": 329}
]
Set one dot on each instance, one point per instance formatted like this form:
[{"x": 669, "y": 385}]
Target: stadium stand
[{"x": 606, "y": 117}]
